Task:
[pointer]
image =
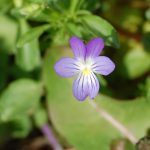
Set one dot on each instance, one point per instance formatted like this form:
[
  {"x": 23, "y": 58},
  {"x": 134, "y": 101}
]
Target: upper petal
[
  {"x": 66, "y": 67},
  {"x": 78, "y": 47},
  {"x": 80, "y": 89},
  {"x": 94, "y": 47},
  {"x": 103, "y": 65}
]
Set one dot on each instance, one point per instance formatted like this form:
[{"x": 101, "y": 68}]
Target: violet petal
[
  {"x": 78, "y": 47},
  {"x": 66, "y": 67},
  {"x": 103, "y": 65},
  {"x": 80, "y": 89},
  {"x": 94, "y": 47},
  {"x": 93, "y": 86},
  {"x": 85, "y": 85}
]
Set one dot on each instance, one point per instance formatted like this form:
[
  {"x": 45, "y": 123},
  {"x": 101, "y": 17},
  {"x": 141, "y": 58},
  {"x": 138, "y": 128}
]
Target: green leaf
[
  {"x": 28, "y": 56},
  {"x": 21, "y": 127},
  {"x": 5, "y": 6},
  {"x": 147, "y": 14},
  {"x": 32, "y": 34},
  {"x": 59, "y": 5},
  {"x": 26, "y": 10},
  {"x": 100, "y": 27},
  {"x": 74, "y": 5},
  {"x": 20, "y": 98},
  {"x": 40, "y": 117},
  {"x": 148, "y": 88},
  {"x": 18, "y": 128},
  {"x": 136, "y": 62},
  {"x": 7, "y": 26},
  {"x": 91, "y": 5},
  {"x": 38, "y": 1},
  {"x": 79, "y": 122},
  {"x": 74, "y": 29}
]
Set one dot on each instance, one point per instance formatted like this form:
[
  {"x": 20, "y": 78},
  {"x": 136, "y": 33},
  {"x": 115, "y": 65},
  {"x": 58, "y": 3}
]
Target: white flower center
[
  {"x": 86, "y": 71},
  {"x": 86, "y": 67}
]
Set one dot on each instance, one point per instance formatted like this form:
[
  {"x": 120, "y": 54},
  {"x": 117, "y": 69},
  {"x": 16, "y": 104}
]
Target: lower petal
[
  {"x": 93, "y": 86},
  {"x": 80, "y": 90},
  {"x": 86, "y": 85},
  {"x": 103, "y": 65}
]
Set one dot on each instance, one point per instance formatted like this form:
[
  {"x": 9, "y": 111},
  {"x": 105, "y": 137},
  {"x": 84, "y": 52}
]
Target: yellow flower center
[{"x": 86, "y": 71}]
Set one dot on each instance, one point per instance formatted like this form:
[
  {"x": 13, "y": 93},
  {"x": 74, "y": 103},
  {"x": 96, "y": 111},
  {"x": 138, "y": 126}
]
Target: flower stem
[
  {"x": 48, "y": 133},
  {"x": 118, "y": 125}
]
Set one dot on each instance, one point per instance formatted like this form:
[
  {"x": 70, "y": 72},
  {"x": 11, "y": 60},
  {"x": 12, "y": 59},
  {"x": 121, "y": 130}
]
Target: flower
[{"x": 85, "y": 64}]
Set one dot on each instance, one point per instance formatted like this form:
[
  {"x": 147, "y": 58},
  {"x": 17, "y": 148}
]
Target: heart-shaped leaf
[
  {"x": 80, "y": 123},
  {"x": 20, "y": 98}
]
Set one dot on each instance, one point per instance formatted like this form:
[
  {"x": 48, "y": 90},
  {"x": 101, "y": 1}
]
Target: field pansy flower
[{"x": 85, "y": 64}]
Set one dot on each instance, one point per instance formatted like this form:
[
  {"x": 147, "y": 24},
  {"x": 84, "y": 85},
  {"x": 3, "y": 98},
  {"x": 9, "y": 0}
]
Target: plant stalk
[
  {"x": 48, "y": 133},
  {"x": 118, "y": 125}
]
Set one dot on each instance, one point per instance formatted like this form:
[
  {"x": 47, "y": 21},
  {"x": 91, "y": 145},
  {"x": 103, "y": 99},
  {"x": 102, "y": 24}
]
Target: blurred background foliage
[{"x": 34, "y": 34}]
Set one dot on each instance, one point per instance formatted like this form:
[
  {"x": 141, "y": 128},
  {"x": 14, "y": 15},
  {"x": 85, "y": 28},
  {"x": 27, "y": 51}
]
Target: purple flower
[{"x": 85, "y": 64}]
